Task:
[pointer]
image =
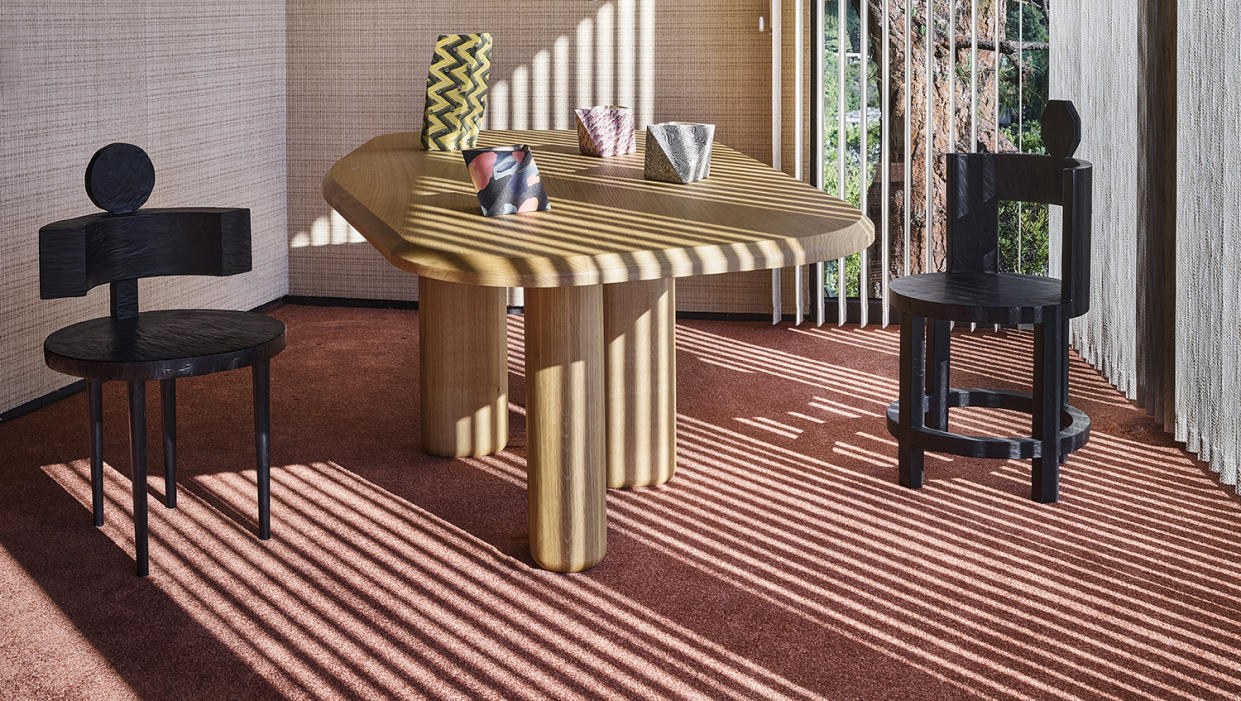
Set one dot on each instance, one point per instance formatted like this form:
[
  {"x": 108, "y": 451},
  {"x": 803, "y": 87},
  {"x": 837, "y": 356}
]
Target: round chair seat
[
  {"x": 160, "y": 345},
  {"x": 985, "y": 298}
]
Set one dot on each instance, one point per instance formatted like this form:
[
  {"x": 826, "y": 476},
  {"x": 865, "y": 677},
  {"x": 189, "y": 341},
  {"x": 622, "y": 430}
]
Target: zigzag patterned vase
[{"x": 456, "y": 91}]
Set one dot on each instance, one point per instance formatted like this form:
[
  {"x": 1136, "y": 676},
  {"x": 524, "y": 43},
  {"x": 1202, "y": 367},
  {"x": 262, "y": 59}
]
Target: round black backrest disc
[{"x": 119, "y": 178}]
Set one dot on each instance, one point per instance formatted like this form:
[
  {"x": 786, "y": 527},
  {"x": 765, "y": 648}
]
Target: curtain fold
[
  {"x": 1156, "y": 84},
  {"x": 1094, "y": 63},
  {"x": 1208, "y": 234}
]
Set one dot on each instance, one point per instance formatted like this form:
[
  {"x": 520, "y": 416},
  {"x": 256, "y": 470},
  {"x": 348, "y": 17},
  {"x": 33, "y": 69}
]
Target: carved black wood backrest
[
  {"x": 979, "y": 182},
  {"x": 126, "y": 243}
]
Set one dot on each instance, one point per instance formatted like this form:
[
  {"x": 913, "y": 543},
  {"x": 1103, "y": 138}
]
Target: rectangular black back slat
[
  {"x": 78, "y": 254},
  {"x": 973, "y": 214},
  {"x": 979, "y": 182},
  {"x": 1026, "y": 177},
  {"x": 1075, "y": 246}
]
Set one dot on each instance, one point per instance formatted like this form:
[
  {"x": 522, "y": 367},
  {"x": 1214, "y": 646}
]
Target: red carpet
[{"x": 782, "y": 561}]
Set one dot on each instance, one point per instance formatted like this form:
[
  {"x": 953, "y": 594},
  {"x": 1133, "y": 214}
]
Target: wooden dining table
[{"x": 598, "y": 270}]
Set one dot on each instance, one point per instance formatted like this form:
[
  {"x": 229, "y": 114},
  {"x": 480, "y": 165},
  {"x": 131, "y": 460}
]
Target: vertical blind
[
  {"x": 1104, "y": 57},
  {"x": 1208, "y": 234},
  {"x": 1094, "y": 63}
]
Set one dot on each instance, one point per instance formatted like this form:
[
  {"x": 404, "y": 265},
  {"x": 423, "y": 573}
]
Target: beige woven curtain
[
  {"x": 1156, "y": 84},
  {"x": 1208, "y": 234},
  {"x": 1094, "y": 63}
]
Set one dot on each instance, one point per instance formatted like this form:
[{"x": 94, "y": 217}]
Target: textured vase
[
  {"x": 456, "y": 91},
  {"x": 678, "y": 152},
  {"x": 605, "y": 130},
  {"x": 506, "y": 180}
]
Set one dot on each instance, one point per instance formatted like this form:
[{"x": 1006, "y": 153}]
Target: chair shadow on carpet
[{"x": 782, "y": 562}]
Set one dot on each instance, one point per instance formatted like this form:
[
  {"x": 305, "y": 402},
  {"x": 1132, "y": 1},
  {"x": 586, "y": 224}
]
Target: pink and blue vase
[{"x": 506, "y": 180}]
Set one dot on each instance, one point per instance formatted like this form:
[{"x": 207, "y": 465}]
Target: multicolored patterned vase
[
  {"x": 506, "y": 179},
  {"x": 605, "y": 130},
  {"x": 456, "y": 91},
  {"x": 677, "y": 152}
]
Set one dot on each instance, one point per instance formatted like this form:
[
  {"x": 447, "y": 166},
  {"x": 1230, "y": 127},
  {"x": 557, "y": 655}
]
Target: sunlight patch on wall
[
  {"x": 328, "y": 230},
  {"x": 613, "y": 62}
]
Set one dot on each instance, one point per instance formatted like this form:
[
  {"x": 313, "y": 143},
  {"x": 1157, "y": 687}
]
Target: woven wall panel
[
  {"x": 359, "y": 69},
  {"x": 200, "y": 86}
]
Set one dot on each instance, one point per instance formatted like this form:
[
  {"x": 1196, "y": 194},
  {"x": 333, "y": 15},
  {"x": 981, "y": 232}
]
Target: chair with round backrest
[
  {"x": 119, "y": 246},
  {"x": 974, "y": 291}
]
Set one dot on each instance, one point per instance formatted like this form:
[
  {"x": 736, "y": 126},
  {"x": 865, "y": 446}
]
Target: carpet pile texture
[{"x": 782, "y": 561}]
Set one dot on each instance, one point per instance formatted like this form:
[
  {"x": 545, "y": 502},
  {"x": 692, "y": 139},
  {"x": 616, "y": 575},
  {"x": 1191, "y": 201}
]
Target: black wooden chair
[
  {"x": 118, "y": 247},
  {"x": 973, "y": 291}
]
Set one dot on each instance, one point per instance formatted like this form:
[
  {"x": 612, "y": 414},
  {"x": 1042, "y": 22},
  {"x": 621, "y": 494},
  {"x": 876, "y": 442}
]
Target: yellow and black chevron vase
[{"x": 456, "y": 91}]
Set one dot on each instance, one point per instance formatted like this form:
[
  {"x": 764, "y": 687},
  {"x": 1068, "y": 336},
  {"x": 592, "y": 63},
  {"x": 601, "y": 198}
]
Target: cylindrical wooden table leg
[
  {"x": 639, "y": 331},
  {"x": 565, "y": 427},
  {"x": 463, "y": 366}
]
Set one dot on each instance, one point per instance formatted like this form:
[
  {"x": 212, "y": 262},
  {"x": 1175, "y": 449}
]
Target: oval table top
[{"x": 606, "y": 223}]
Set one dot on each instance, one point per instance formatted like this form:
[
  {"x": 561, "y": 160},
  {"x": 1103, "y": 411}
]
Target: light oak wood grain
[
  {"x": 639, "y": 327},
  {"x": 463, "y": 368},
  {"x": 564, "y": 410},
  {"x": 607, "y": 224}
]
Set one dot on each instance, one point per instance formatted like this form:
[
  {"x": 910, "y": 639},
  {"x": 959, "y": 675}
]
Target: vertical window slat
[
  {"x": 817, "y": 141},
  {"x": 777, "y": 126},
  {"x": 885, "y": 158},
  {"x": 973, "y": 76},
  {"x": 799, "y": 294},
  {"x": 995, "y": 35},
  {"x": 952, "y": 76},
  {"x": 799, "y": 119},
  {"x": 799, "y": 124},
  {"x": 842, "y": 41},
  {"x": 864, "y": 157},
  {"x": 998, "y": 37},
  {"x": 777, "y": 296},
  {"x": 1021, "y": 115},
  {"x": 907, "y": 176},
  {"x": 929, "y": 226},
  {"x": 973, "y": 147}
]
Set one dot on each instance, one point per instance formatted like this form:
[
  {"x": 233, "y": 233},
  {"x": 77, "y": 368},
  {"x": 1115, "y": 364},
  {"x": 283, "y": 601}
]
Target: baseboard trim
[
  {"x": 363, "y": 302},
  {"x": 311, "y": 301},
  {"x": 302, "y": 300},
  {"x": 39, "y": 402}
]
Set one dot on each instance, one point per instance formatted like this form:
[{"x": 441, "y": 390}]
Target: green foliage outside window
[{"x": 1023, "y": 228}]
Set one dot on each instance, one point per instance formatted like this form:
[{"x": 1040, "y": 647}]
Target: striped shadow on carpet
[{"x": 782, "y": 561}]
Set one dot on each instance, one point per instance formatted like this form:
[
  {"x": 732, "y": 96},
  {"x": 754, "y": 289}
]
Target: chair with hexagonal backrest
[{"x": 973, "y": 290}]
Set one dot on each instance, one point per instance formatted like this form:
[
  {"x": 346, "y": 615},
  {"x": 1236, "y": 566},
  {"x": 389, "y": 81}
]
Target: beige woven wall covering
[
  {"x": 200, "y": 86},
  {"x": 359, "y": 69}
]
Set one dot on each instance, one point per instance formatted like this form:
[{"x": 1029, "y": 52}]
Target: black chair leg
[
  {"x": 1064, "y": 372},
  {"x": 1049, "y": 359},
  {"x": 168, "y": 398},
  {"x": 938, "y": 334},
  {"x": 138, "y": 464},
  {"x": 94, "y": 398},
  {"x": 262, "y": 443},
  {"x": 912, "y": 411}
]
